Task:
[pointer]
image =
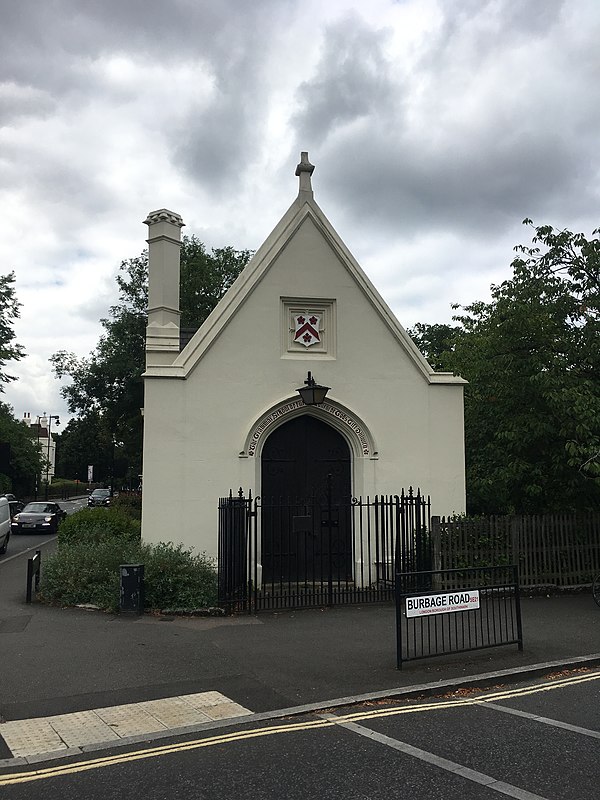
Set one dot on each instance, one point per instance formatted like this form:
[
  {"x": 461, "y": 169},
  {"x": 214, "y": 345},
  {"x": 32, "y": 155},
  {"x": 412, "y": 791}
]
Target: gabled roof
[{"x": 304, "y": 207}]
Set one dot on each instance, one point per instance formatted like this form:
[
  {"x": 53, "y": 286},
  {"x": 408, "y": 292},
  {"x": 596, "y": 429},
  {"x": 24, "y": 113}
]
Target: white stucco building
[
  {"x": 40, "y": 428},
  {"x": 225, "y": 412}
]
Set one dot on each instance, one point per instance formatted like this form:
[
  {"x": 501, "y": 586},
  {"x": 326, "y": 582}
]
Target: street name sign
[{"x": 463, "y": 600}]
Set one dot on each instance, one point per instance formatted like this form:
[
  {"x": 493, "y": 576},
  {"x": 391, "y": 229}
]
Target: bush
[
  {"x": 93, "y": 543},
  {"x": 87, "y": 572},
  {"x": 66, "y": 486},
  {"x": 94, "y": 525},
  {"x": 176, "y": 578},
  {"x": 130, "y": 504}
]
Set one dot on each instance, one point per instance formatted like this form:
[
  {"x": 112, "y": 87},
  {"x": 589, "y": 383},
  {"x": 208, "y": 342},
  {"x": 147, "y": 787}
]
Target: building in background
[{"x": 41, "y": 432}]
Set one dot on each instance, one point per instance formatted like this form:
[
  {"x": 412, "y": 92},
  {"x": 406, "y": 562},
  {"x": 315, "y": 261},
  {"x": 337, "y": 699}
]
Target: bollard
[
  {"x": 132, "y": 589},
  {"x": 33, "y": 571}
]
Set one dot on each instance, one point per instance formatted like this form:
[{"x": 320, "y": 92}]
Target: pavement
[{"x": 74, "y": 680}]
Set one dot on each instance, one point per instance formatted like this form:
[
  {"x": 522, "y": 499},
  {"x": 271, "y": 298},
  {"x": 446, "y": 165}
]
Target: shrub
[
  {"x": 87, "y": 572},
  {"x": 94, "y": 525},
  {"x": 176, "y": 578},
  {"x": 130, "y": 504},
  {"x": 66, "y": 486},
  {"x": 94, "y": 543}
]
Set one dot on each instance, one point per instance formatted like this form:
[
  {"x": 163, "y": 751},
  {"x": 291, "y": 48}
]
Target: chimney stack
[{"x": 164, "y": 244}]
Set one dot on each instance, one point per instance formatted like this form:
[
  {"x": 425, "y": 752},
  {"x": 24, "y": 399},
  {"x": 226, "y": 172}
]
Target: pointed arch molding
[{"x": 336, "y": 415}]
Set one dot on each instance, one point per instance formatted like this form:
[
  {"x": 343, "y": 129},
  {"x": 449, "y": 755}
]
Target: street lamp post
[
  {"x": 37, "y": 472},
  {"x": 112, "y": 466},
  {"x": 50, "y": 418}
]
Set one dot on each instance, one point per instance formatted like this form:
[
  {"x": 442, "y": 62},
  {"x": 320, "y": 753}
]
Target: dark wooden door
[{"x": 301, "y": 540}]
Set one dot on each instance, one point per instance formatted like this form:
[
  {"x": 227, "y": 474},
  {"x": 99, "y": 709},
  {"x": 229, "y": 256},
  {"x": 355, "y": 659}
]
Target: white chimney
[{"x": 164, "y": 244}]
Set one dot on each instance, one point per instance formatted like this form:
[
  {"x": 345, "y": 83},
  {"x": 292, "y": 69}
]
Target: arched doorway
[{"x": 305, "y": 530}]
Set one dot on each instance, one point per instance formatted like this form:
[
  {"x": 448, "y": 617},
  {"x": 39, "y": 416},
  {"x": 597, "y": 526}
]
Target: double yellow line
[{"x": 272, "y": 730}]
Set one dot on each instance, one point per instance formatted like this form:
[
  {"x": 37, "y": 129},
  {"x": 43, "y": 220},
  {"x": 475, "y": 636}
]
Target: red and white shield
[{"x": 306, "y": 329}]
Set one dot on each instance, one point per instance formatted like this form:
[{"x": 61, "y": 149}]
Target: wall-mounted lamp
[{"x": 312, "y": 393}]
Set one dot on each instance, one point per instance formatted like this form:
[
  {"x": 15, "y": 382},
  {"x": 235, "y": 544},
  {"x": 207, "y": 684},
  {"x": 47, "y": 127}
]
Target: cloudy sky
[{"x": 435, "y": 126}]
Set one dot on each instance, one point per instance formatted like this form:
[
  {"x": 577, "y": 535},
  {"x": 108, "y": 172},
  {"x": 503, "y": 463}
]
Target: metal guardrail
[
  {"x": 33, "y": 574},
  {"x": 439, "y": 612}
]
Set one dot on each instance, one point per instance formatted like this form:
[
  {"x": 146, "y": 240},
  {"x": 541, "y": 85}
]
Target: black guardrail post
[
  {"x": 398, "y": 595},
  {"x": 518, "y": 607},
  {"x": 33, "y": 569}
]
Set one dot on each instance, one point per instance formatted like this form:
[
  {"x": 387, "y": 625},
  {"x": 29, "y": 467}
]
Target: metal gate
[
  {"x": 322, "y": 550},
  {"x": 455, "y": 610}
]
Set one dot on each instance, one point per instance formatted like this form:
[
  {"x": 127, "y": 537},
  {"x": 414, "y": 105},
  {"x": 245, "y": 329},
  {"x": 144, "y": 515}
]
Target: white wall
[{"x": 196, "y": 427}]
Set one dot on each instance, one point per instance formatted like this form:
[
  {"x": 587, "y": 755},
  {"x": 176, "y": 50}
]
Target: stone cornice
[{"x": 164, "y": 215}]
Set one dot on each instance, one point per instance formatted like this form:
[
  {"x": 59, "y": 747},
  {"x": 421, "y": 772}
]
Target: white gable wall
[{"x": 200, "y": 412}]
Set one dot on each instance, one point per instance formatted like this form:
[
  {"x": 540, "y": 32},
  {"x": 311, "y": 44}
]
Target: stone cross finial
[{"x": 304, "y": 170}]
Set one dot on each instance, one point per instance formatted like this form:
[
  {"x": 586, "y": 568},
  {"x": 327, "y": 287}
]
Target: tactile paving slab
[{"x": 35, "y": 737}]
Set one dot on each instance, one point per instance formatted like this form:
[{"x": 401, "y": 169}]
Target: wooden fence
[{"x": 549, "y": 549}]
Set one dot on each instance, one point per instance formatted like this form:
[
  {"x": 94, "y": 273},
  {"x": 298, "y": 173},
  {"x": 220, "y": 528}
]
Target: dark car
[
  {"x": 99, "y": 497},
  {"x": 38, "y": 517}
]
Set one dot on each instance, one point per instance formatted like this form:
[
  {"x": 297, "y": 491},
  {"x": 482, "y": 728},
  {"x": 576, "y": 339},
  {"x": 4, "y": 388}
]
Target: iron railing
[
  {"x": 298, "y": 553},
  {"x": 455, "y": 610},
  {"x": 559, "y": 549}
]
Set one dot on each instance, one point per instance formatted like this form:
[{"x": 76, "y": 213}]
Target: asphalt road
[
  {"x": 21, "y": 543},
  {"x": 539, "y": 739}
]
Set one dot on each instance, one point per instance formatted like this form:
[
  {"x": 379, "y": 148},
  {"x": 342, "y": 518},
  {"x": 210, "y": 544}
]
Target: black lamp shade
[{"x": 312, "y": 393}]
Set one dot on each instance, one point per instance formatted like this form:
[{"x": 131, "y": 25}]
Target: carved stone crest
[{"x": 306, "y": 328}]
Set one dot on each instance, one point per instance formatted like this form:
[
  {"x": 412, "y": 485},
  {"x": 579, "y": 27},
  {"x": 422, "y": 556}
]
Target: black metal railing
[
  {"x": 234, "y": 515},
  {"x": 455, "y": 610},
  {"x": 303, "y": 552}
]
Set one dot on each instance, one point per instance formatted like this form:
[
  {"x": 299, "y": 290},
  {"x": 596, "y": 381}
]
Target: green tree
[
  {"x": 532, "y": 359},
  {"x": 109, "y": 381},
  {"x": 24, "y": 461},
  {"x": 20, "y": 459},
  {"x": 87, "y": 441},
  {"x": 437, "y": 343},
  {"x": 9, "y": 312}
]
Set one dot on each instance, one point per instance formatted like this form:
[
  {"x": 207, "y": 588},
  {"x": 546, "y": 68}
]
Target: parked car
[
  {"x": 99, "y": 497},
  {"x": 38, "y": 517},
  {"x": 4, "y": 524},
  {"x": 14, "y": 504}
]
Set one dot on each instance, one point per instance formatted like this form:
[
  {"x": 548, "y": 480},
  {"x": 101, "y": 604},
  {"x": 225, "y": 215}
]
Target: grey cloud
[
  {"x": 17, "y": 102},
  {"x": 50, "y": 50},
  {"x": 211, "y": 142},
  {"x": 351, "y": 81},
  {"x": 214, "y": 144},
  {"x": 474, "y": 31},
  {"x": 470, "y": 159},
  {"x": 51, "y": 45},
  {"x": 96, "y": 308},
  {"x": 404, "y": 186},
  {"x": 46, "y": 177}
]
